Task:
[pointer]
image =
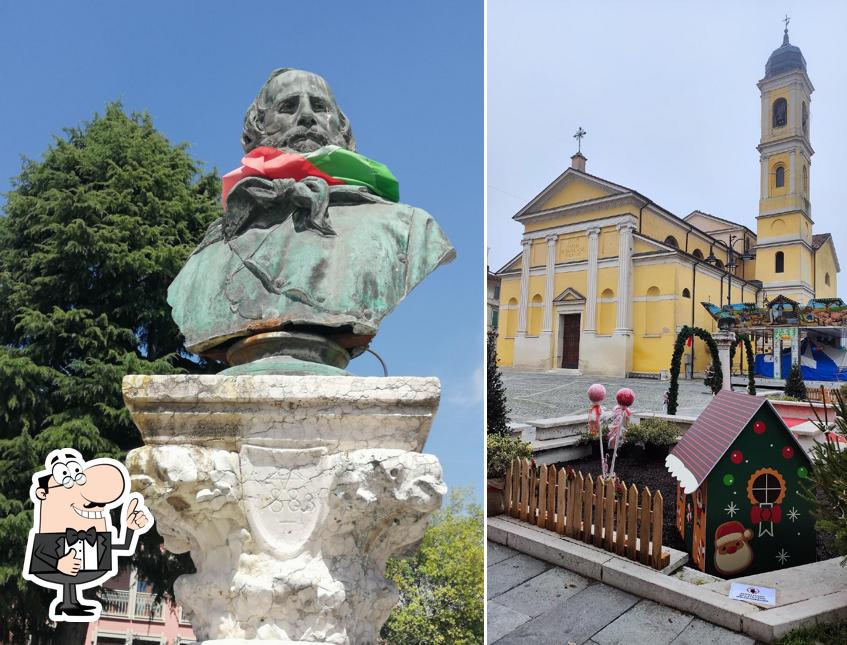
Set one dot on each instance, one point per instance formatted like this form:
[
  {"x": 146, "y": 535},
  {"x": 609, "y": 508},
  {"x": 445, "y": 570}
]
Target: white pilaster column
[
  {"x": 591, "y": 296},
  {"x": 522, "y": 305},
  {"x": 624, "y": 297},
  {"x": 765, "y": 184},
  {"x": 795, "y": 348},
  {"x": 548, "y": 287},
  {"x": 792, "y": 169},
  {"x": 725, "y": 340}
]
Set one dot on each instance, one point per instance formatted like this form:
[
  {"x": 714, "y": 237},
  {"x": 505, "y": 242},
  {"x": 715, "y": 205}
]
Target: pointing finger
[{"x": 132, "y": 504}]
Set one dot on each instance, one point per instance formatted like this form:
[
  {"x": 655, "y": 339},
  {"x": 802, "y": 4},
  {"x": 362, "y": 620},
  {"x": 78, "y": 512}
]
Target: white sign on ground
[{"x": 753, "y": 594}]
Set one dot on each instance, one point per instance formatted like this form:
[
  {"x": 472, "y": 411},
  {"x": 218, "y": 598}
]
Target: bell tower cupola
[{"x": 785, "y": 258}]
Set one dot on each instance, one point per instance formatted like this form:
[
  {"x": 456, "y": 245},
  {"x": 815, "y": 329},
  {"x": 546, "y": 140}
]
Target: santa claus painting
[{"x": 733, "y": 553}]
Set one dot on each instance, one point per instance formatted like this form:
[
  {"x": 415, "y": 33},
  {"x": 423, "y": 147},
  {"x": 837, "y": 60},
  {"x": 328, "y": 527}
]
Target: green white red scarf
[{"x": 336, "y": 166}]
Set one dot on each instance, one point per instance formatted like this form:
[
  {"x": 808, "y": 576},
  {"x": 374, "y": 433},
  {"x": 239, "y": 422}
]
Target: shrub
[
  {"x": 794, "y": 385},
  {"x": 501, "y": 450},
  {"x": 783, "y": 397},
  {"x": 651, "y": 432},
  {"x": 497, "y": 420}
]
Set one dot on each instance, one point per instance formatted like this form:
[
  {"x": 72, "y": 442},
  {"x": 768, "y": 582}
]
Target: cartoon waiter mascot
[{"x": 72, "y": 545}]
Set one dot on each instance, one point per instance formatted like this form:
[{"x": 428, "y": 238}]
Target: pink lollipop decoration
[
  {"x": 596, "y": 394},
  {"x": 625, "y": 398}
]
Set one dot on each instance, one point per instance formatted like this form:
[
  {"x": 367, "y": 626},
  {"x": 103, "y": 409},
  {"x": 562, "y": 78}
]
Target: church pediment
[
  {"x": 571, "y": 187},
  {"x": 569, "y": 295}
]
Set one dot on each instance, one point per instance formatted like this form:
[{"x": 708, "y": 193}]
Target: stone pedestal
[
  {"x": 725, "y": 340},
  {"x": 290, "y": 492}
]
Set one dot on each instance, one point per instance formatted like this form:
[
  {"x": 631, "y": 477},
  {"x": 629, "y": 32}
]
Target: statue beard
[
  {"x": 303, "y": 140},
  {"x": 728, "y": 563}
]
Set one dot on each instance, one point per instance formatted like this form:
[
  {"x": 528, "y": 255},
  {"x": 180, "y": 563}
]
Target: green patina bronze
[{"x": 301, "y": 256}]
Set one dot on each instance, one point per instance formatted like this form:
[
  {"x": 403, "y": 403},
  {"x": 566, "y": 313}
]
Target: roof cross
[{"x": 578, "y": 136}]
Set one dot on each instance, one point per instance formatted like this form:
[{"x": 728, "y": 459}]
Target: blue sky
[
  {"x": 667, "y": 92},
  {"x": 408, "y": 75}
]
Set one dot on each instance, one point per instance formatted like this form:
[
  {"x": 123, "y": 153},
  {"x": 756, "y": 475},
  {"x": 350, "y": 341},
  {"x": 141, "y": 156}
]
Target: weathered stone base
[{"x": 290, "y": 493}]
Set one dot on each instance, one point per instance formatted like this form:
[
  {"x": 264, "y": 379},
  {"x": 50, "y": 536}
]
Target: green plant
[
  {"x": 827, "y": 482},
  {"x": 651, "y": 432},
  {"x": 783, "y": 397},
  {"x": 501, "y": 450},
  {"x": 794, "y": 385},
  {"x": 92, "y": 234},
  {"x": 497, "y": 419},
  {"x": 822, "y": 634},
  {"x": 442, "y": 586},
  {"x": 676, "y": 361}
]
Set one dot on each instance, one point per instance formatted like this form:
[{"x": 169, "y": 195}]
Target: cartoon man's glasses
[{"x": 68, "y": 474}]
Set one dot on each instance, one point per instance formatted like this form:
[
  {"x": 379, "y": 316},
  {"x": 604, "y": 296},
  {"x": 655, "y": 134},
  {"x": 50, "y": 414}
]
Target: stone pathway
[
  {"x": 531, "y": 602},
  {"x": 547, "y": 394}
]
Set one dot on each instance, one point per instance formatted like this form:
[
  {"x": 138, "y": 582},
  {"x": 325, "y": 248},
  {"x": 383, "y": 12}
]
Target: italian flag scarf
[{"x": 336, "y": 166}]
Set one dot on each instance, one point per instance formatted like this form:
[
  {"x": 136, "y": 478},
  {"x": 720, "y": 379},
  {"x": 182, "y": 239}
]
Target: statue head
[{"x": 295, "y": 111}]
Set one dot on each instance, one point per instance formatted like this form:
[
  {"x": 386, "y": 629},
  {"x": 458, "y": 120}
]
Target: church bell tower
[{"x": 785, "y": 258}]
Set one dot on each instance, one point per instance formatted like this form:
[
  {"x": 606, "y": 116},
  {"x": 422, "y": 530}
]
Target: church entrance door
[{"x": 569, "y": 324}]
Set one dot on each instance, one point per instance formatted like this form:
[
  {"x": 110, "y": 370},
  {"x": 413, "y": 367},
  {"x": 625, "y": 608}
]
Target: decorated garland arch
[
  {"x": 751, "y": 361},
  {"x": 717, "y": 380}
]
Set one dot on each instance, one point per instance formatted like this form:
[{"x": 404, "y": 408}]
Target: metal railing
[{"x": 116, "y": 604}]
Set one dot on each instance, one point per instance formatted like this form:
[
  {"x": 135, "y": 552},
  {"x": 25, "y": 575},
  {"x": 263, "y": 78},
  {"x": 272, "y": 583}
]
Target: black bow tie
[{"x": 90, "y": 536}]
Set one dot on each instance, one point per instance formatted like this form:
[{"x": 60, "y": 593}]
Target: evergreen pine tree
[
  {"x": 498, "y": 411},
  {"x": 92, "y": 236},
  {"x": 794, "y": 385},
  {"x": 828, "y": 493}
]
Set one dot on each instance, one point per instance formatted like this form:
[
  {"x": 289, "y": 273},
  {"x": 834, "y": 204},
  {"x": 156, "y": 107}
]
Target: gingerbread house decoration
[{"x": 740, "y": 504}]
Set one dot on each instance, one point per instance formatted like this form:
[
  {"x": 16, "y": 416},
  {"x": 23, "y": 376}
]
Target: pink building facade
[{"x": 130, "y": 617}]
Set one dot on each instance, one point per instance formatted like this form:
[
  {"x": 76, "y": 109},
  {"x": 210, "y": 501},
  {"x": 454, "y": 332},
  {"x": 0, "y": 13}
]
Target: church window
[
  {"x": 511, "y": 318},
  {"x": 698, "y": 254},
  {"x": 779, "y": 262},
  {"x": 826, "y": 279},
  {"x": 536, "y": 315},
  {"x": 805, "y": 180},
  {"x": 686, "y": 293},
  {"x": 780, "y": 176},
  {"x": 670, "y": 240},
  {"x": 780, "y": 112},
  {"x": 805, "y": 119}
]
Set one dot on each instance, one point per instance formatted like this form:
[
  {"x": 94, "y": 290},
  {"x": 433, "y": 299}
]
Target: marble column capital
[{"x": 290, "y": 492}]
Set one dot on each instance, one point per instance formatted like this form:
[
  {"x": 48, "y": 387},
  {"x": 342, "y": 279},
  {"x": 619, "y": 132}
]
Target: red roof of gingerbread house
[{"x": 708, "y": 439}]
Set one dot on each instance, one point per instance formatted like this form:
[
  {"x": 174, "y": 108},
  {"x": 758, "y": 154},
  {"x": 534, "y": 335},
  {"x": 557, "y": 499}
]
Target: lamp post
[{"x": 730, "y": 265}]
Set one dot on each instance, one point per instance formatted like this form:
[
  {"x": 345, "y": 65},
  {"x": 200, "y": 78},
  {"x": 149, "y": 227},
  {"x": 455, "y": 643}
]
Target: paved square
[
  {"x": 550, "y": 393},
  {"x": 533, "y": 603}
]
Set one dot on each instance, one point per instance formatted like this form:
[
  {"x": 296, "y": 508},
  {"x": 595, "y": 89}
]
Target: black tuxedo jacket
[{"x": 47, "y": 548}]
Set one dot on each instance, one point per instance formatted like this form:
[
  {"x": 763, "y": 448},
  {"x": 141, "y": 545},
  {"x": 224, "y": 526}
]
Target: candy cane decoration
[
  {"x": 596, "y": 394},
  {"x": 625, "y": 398}
]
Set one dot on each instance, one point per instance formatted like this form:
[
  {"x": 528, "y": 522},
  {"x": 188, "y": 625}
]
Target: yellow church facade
[{"x": 606, "y": 277}]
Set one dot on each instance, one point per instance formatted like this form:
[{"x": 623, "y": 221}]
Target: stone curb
[{"x": 763, "y": 624}]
